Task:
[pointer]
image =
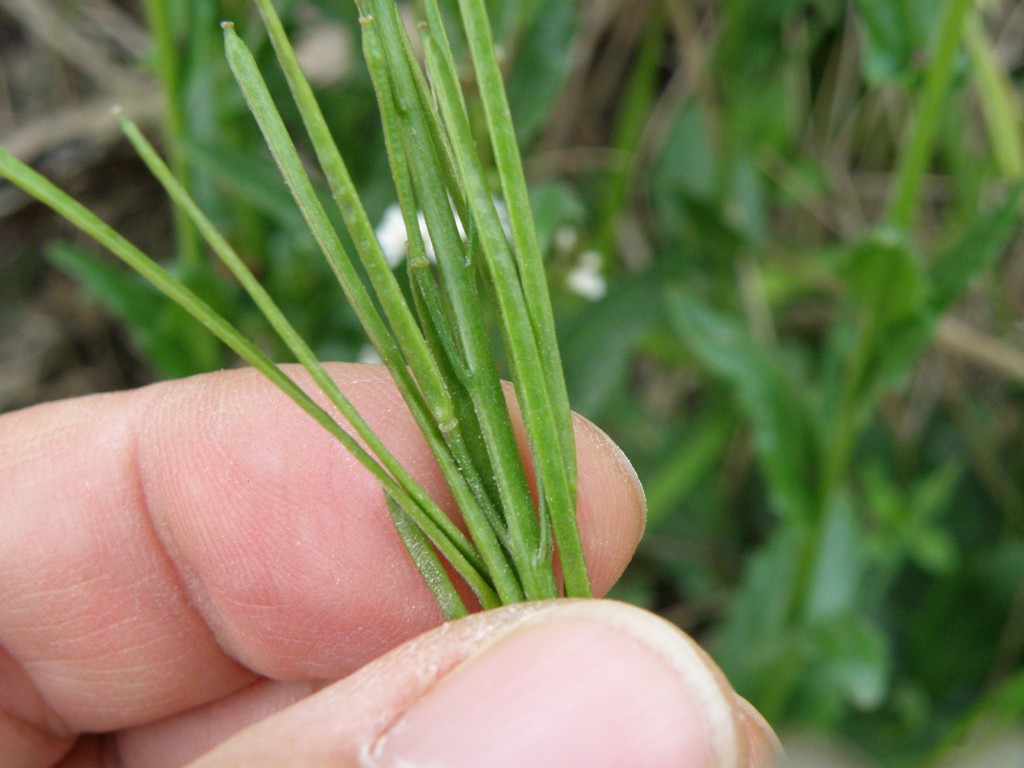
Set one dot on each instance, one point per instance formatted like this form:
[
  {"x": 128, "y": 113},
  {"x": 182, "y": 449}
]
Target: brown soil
[{"x": 55, "y": 342}]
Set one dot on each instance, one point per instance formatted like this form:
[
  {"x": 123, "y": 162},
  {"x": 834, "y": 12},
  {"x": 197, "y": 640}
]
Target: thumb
[{"x": 593, "y": 683}]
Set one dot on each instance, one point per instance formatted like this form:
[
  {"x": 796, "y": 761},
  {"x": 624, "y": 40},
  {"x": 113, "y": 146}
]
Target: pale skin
[{"x": 196, "y": 572}]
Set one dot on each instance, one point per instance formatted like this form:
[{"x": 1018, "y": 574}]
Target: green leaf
[
  {"x": 898, "y": 301},
  {"x": 602, "y": 339},
  {"x": 541, "y": 66},
  {"x": 895, "y": 33},
  {"x": 876, "y": 347},
  {"x": 164, "y": 333},
  {"x": 839, "y": 569},
  {"x": 855, "y": 661},
  {"x": 686, "y": 168},
  {"x": 248, "y": 177},
  {"x": 777, "y": 406},
  {"x": 753, "y": 645},
  {"x": 954, "y": 269},
  {"x": 555, "y": 205},
  {"x": 884, "y": 279}
]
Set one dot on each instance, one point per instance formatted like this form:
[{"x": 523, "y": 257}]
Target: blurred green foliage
[{"x": 836, "y": 503}]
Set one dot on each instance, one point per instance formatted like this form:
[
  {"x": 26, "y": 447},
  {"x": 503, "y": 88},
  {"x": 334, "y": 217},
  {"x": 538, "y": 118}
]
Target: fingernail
[
  {"x": 764, "y": 746},
  {"x": 568, "y": 690}
]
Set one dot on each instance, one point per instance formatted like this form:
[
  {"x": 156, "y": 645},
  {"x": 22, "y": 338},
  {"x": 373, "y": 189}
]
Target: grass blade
[
  {"x": 427, "y": 562},
  {"x": 459, "y": 280},
  {"x": 524, "y": 234},
  {"x": 556, "y": 480},
  {"x": 377, "y": 268},
  {"x": 45, "y": 192},
  {"x": 919, "y": 147},
  {"x": 446, "y": 535}
]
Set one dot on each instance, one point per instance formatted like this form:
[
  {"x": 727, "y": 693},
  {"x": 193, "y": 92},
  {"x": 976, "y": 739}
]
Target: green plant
[
  {"x": 438, "y": 350},
  {"x": 217, "y": 154},
  {"x": 795, "y": 517},
  {"x": 818, "y": 379}
]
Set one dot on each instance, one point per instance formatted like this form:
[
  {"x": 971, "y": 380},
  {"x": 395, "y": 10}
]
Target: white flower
[
  {"x": 392, "y": 236},
  {"x": 585, "y": 279},
  {"x": 367, "y": 354},
  {"x": 428, "y": 244},
  {"x": 394, "y": 239},
  {"x": 566, "y": 238}
]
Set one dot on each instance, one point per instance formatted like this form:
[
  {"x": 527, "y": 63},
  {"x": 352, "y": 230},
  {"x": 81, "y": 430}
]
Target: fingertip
[
  {"x": 764, "y": 747},
  {"x": 232, "y": 535},
  {"x": 581, "y": 682},
  {"x": 612, "y": 507},
  {"x": 592, "y": 683}
]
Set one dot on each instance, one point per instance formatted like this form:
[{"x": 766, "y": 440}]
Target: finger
[
  {"x": 158, "y": 549},
  {"x": 592, "y": 683},
  {"x": 764, "y": 746},
  {"x": 177, "y": 740}
]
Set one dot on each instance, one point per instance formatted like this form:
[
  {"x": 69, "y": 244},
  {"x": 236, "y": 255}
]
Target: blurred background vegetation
[{"x": 783, "y": 239}]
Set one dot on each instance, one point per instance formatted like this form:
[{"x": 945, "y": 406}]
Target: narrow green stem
[
  {"x": 917, "y": 153},
  {"x": 429, "y": 564},
  {"x": 299, "y": 348},
  {"x": 168, "y": 72},
  {"x": 286, "y": 156},
  {"x": 435, "y": 308},
  {"x": 517, "y": 200},
  {"x": 998, "y": 100},
  {"x": 458, "y": 276},
  {"x": 466, "y": 441},
  {"x": 532, "y": 372},
  {"x": 436, "y": 393},
  {"x": 633, "y": 114},
  {"x": 511, "y": 303},
  {"x": 42, "y": 190},
  {"x": 347, "y": 198},
  {"x": 261, "y": 104}
]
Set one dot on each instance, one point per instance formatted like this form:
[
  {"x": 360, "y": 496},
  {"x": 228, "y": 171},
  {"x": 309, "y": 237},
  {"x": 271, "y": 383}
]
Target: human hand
[{"x": 182, "y": 568}]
